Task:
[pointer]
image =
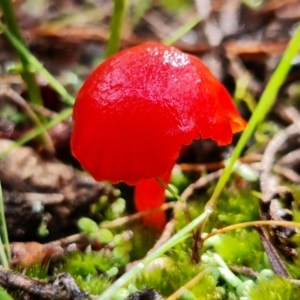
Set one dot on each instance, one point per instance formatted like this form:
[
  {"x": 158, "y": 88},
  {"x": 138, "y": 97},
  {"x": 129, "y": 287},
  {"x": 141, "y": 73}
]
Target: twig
[
  {"x": 270, "y": 207},
  {"x": 244, "y": 271},
  {"x": 292, "y": 157},
  {"x": 277, "y": 264},
  {"x": 201, "y": 182},
  {"x": 219, "y": 164},
  {"x": 294, "y": 116},
  {"x": 251, "y": 273},
  {"x": 267, "y": 182},
  {"x": 249, "y": 224},
  {"x": 44, "y": 199},
  {"x": 273, "y": 147},
  {"x": 81, "y": 237},
  {"x": 133, "y": 217},
  {"x": 287, "y": 172},
  {"x": 60, "y": 287}
]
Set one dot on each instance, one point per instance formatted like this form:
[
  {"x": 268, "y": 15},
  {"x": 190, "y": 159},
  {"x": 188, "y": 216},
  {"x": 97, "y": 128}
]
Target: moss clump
[
  {"x": 89, "y": 270},
  {"x": 242, "y": 247},
  {"x": 294, "y": 267},
  {"x": 94, "y": 285},
  {"x": 84, "y": 264},
  {"x": 166, "y": 276},
  {"x": 236, "y": 207},
  {"x": 276, "y": 288},
  {"x": 38, "y": 270}
]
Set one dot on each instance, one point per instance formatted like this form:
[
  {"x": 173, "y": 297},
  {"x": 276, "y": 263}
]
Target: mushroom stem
[{"x": 150, "y": 194}]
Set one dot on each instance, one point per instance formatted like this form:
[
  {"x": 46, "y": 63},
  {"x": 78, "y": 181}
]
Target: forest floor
[{"x": 72, "y": 237}]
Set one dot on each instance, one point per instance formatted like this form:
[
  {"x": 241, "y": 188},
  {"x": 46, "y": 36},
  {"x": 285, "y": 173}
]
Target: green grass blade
[
  {"x": 37, "y": 66},
  {"x": 4, "y": 295},
  {"x": 115, "y": 28},
  {"x": 3, "y": 228},
  {"x": 4, "y": 244},
  {"x": 181, "y": 31},
  {"x": 27, "y": 75},
  {"x": 38, "y": 130},
  {"x": 265, "y": 104}
]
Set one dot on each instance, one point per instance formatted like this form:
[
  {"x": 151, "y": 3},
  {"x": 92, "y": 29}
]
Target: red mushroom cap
[{"x": 137, "y": 109}]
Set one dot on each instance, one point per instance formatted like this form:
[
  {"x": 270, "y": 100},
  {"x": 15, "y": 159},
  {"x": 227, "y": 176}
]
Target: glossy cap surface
[{"x": 137, "y": 109}]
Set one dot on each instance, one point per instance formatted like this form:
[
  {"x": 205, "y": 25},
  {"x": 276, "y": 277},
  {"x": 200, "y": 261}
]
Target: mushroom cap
[{"x": 137, "y": 109}]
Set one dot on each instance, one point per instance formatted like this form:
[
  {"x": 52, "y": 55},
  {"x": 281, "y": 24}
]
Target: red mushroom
[{"x": 136, "y": 110}]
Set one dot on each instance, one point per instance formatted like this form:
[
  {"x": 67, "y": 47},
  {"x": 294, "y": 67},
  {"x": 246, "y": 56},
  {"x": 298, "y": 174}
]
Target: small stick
[
  {"x": 61, "y": 287},
  {"x": 277, "y": 264}
]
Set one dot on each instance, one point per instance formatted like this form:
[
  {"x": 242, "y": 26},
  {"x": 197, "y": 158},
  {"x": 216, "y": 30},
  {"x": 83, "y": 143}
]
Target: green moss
[
  {"x": 206, "y": 289},
  {"x": 235, "y": 207},
  {"x": 275, "y": 288},
  {"x": 94, "y": 285},
  {"x": 142, "y": 240},
  {"x": 38, "y": 270},
  {"x": 242, "y": 247},
  {"x": 170, "y": 276},
  {"x": 108, "y": 208},
  {"x": 89, "y": 270},
  {"x": 84, "y": 264},
  {"x": 294, "y": 267}
]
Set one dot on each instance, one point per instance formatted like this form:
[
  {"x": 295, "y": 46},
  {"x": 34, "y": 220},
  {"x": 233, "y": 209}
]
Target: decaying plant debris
[{"x": 38, "y": 190}]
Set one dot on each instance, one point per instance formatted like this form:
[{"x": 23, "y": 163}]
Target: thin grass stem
[
  {"x": 27, "y": 74},
  {"x": 115, "y": 28},
  {"x": 181, "y": 31},
  {"x": 36, "y": 65},
  {"x": 171, "y": 191},
  {"x": 3, "y": 229},
  {"x": 4, "y": 295},
  {"x": 37, "y": 131}
]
